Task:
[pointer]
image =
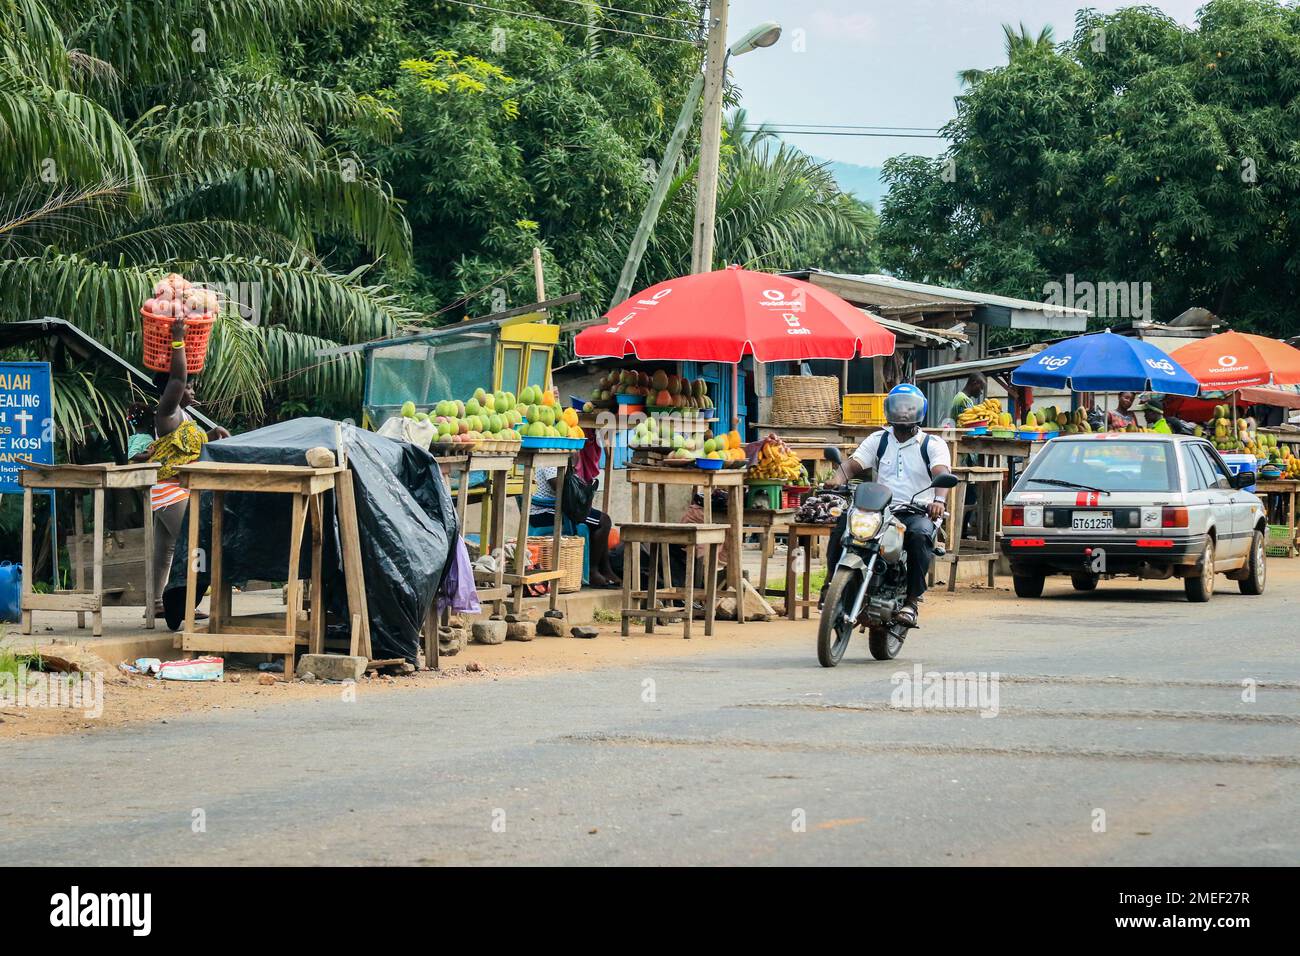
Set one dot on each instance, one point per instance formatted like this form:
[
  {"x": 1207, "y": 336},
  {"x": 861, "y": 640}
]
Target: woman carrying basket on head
[{"x": 179, "y": 441}]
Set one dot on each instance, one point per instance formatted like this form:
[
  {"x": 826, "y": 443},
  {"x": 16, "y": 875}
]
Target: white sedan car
[{"x": 1145, "y": 504}]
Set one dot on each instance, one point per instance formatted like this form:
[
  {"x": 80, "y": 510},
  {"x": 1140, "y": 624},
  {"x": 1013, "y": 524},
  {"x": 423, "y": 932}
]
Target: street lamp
[
  {"x": 763, "y": 35},
  {"x": 715, "y": 71}
]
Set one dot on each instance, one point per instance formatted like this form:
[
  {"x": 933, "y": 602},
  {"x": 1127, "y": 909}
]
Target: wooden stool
[
  {"x": 256, "y": 633},
  {"x": 79, "y": 479},
  {"x": 767, "y": 523},
  {"x": 690, "y": 536},
  {"x": 801, "y": 535}
]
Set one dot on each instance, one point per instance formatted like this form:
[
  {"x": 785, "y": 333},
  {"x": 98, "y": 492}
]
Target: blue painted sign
[{"x": 26, "y": 419}]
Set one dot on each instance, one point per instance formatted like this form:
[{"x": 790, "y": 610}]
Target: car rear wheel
[
  {"x": 1256, "y": 567},
  {"x": 1028, "y": 585},
  {"x": 1201, "y": 588},
  {"x": 1084, "y": 581}
]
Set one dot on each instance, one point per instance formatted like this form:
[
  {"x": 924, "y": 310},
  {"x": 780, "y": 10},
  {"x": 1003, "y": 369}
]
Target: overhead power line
[
  {"x": 636, "y": 13},
  {"x": 826, "y": 132},
  {"x": 571, "y": 23},
  {"x": 917, "y": 129}
]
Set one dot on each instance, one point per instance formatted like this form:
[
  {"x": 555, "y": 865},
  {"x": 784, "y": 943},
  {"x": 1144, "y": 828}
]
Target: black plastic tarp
[{"x": 405, "y": 512}]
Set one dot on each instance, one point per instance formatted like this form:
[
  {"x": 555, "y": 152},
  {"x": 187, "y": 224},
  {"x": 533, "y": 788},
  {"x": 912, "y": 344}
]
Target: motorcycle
[{"x": 869, "y": 583}]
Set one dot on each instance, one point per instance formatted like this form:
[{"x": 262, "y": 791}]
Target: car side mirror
[
  {"x": 832, "y": 454},
  {"x": 1243, "y": 479},
  {"x": 946, "y": 480}
]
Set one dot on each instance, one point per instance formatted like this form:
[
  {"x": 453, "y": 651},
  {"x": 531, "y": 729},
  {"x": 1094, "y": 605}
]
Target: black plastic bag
[{"x": 404, "y": 511}]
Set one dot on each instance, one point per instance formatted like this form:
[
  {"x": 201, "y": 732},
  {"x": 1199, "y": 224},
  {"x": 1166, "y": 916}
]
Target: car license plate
[{"x": 1092, "y": 521}]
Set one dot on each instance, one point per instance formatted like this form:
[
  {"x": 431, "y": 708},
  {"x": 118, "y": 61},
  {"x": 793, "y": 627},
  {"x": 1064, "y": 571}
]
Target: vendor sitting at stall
[
  {"x": 972, "y": 394},
  {"x": 541, "y": 516},
  {"x": 179, "y": 441},
  {"x": 1122, "y": 417},
  {"x": 1153, "y": 410}
]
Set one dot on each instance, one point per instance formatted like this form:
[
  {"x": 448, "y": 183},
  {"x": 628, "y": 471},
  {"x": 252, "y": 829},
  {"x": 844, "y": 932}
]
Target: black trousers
[{"x": 917, "y": 542}]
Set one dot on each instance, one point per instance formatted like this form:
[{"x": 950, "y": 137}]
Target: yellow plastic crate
[{"x": 864, "y": 409}]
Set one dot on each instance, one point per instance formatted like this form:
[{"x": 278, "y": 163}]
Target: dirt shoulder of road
[{"x": 131, "y": 699}]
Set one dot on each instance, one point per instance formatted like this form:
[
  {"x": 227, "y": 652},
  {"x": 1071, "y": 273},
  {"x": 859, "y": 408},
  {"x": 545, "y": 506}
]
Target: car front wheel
[
  {"x": 1201, "y": 588},
  {"x": 1256, "y": 567}
]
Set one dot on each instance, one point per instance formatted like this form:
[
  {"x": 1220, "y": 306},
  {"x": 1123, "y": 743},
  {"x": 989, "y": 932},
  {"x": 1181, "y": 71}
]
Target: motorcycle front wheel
[{"x": 834, "y": 628}]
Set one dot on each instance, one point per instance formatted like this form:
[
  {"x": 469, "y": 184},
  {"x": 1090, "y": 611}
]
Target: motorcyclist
[{"x": 909, "y": 460}]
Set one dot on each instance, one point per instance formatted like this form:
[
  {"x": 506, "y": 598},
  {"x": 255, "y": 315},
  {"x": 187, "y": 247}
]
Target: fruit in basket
[{"x": 776, "y": 462}]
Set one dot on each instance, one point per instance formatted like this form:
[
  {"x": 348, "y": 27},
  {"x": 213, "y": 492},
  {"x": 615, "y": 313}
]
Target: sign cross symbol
[{"x": 23, "y": 418}]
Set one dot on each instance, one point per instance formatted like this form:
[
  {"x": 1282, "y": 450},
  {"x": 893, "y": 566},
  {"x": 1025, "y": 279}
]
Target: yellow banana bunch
[
  {"x": 775, "y": 462},
  {"x": 987, "y": 410}
]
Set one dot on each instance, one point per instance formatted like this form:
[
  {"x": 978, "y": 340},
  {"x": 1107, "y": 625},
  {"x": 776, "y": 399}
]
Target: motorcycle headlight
[{"x": 864, "y": 524}]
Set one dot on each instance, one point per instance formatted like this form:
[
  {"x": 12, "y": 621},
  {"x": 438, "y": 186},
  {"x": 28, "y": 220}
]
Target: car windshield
[{"x": 1116, "y": 466}]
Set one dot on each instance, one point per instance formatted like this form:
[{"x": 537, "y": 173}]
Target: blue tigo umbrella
[{"x": 1105, "y": 362}]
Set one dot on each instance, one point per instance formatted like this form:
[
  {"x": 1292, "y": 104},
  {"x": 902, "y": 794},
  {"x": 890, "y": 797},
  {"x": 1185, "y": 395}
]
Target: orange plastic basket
[{"x": 158, "y": 342}]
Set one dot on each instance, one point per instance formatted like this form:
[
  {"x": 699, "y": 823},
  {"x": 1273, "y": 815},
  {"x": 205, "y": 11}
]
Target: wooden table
[
  {"x": 797, "y": 534},
  {"x": 655, "y": 480},
  {"x": 1288, "y": 488},
  {"x": 988, "y": 488},
  {"x": 79, "y": 479},
  {"x": 252, "y": 634},
  {"x": 767, "y": 523},
  {"x": 530, "y": 460}
]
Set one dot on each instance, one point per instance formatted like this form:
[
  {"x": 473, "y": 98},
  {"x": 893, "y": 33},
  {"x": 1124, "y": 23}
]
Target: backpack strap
[{"x": 925, "y": 447}]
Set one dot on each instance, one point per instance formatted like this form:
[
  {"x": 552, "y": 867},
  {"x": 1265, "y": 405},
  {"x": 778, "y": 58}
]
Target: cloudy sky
[{"x": 884, "y": 62}]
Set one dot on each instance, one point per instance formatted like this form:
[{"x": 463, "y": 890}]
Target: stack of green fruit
[{"x": 485, "y": 416}]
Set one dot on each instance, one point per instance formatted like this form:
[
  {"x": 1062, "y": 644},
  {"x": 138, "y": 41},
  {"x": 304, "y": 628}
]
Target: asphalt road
[{"x": 1121, "y": 708}]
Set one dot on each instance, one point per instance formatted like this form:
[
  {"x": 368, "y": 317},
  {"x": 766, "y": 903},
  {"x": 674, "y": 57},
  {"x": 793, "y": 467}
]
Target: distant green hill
[{"x": 862, "y": 181}]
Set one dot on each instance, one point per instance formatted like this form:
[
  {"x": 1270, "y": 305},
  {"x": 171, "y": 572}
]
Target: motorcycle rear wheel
[
  {"x": 834, "y": 629},
  {"x": 885, "y": 642}
]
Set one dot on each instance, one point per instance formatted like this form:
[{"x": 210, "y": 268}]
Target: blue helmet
[{"x": 905, "y": 405}]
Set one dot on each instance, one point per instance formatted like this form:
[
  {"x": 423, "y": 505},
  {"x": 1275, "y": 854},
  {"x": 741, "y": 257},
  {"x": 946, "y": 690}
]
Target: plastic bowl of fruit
[{"x": 709, "y": 464}]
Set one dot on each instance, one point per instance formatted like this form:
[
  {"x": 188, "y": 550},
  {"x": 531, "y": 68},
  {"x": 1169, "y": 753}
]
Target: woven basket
[
  {"x": 805, "y": 400},
  {"x": 570, "y": 564}
]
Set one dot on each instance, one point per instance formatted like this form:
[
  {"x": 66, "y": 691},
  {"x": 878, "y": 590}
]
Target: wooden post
[
  {"x": 316, "y": 643},
  {"x": 191, "y": 568},
  {"x": 150, "y": 562},
  {"x": 218, "y": 612},
  {"x": 710, "y": 138},
  {"x": 79, "y": 573},
  {"x": 521, "y": 538},
  {"x": 736, "y": 514},
  {"x": 28, "y": 531},
  {"x": 557, "y": 534},
  {"x": 97, "y": 570},
  {"x": 538, "y": 275},
  {"x": 292, "y": 584},
  {"x": 353, "y": 572}
]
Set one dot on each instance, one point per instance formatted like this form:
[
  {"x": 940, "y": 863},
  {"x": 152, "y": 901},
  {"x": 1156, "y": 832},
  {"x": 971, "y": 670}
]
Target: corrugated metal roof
[
  {"x": 960, "y": 295},
  {"x": 941, "y": 338}
]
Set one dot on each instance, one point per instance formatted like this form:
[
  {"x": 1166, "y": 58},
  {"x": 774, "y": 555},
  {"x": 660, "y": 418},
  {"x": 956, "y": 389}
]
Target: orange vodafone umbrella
[{"x": 1233, "y": 360}]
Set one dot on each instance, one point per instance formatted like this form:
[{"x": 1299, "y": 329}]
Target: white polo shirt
[{"x": 903, "y": 470}]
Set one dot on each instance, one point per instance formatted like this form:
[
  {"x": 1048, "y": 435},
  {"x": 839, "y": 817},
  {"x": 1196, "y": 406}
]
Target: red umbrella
[
  {"x": 1233, "y": 360},
  {"x": 725, "y": 315}
]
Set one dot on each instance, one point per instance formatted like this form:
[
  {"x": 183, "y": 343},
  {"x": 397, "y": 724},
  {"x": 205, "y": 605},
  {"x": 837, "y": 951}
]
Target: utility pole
[{"x": 706, "y": 196}]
